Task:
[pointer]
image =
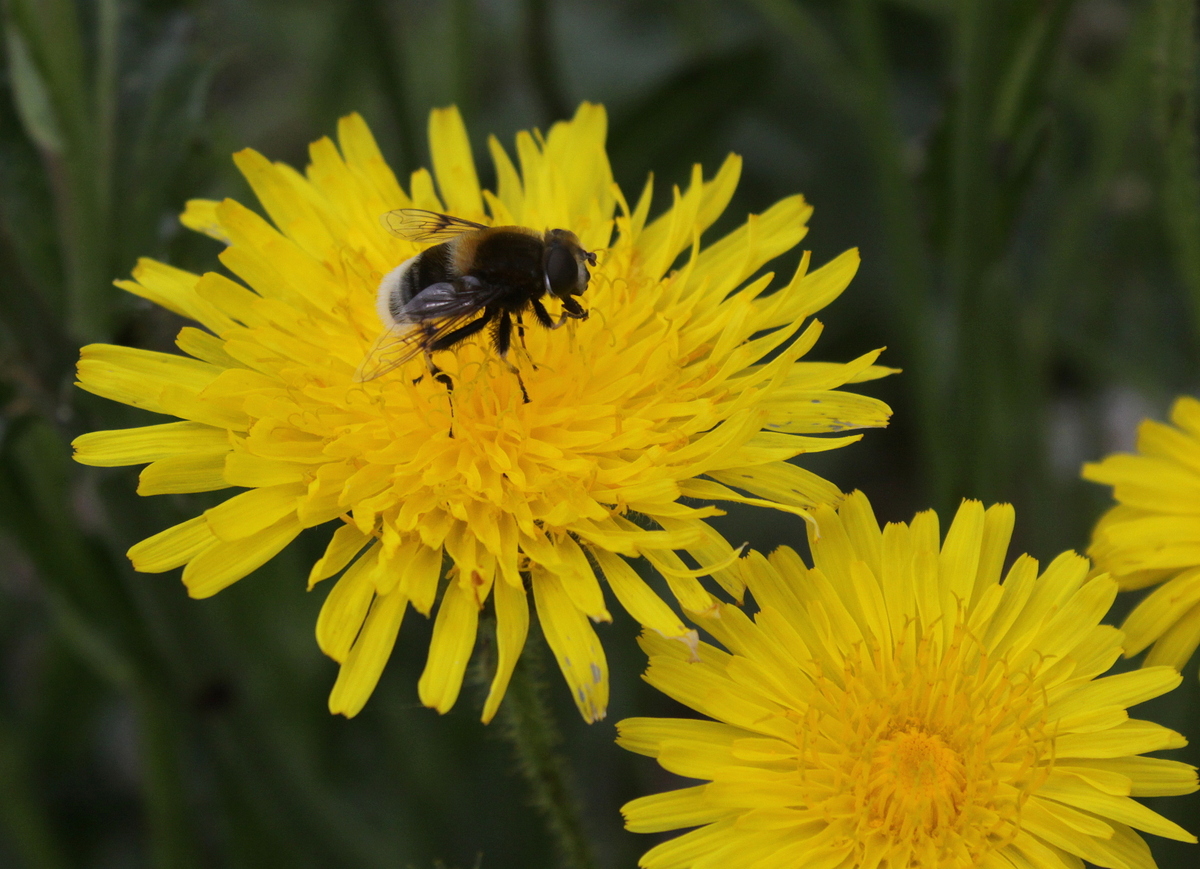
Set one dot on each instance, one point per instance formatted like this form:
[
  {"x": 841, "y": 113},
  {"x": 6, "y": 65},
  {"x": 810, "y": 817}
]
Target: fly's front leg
[
  {"x": 571, "y": 311},
  {"x": 540, "y": 312}
]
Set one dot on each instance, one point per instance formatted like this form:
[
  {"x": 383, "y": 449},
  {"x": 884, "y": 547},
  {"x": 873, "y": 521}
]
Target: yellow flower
[
  {"x": 896, "y": 706},
  {"x": 1153, "y": 534},
  {"x": 683, "y": 384}
]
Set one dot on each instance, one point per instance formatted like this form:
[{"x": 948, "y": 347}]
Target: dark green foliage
[{"x": 1021, "y": 176}]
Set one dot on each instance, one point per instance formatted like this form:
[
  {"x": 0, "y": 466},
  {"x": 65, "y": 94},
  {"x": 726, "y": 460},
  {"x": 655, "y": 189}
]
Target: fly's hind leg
[
  {"x": 445, "y": 343},
  {"x": 437, "y": 374},
  {"x": 503, "y": 340},
  {"x": 521, "y": 336},
  {"x": 443, "y": 378}
]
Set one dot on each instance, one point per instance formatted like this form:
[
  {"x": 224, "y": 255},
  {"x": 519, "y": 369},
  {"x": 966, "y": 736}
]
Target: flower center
[
  {"x": 916, "y": 781},
  {"x": 923, "y": 755}
]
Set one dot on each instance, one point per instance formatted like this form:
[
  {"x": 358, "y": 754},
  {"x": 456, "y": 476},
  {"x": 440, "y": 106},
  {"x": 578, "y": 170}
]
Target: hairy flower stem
[{"x": 527, "y": 722}]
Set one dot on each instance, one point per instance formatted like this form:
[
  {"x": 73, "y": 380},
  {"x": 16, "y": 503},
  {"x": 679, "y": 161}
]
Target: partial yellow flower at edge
[
  {"x": 685, "y": 385},
  {"x": 1153, "y": 534},
  {"x": 897, "y": 705}
]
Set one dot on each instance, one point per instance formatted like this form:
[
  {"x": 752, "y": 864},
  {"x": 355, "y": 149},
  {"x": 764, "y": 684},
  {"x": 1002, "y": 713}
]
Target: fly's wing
[
  {"x": 446, "y": 299},
  {"x": 397, "y": 345},
  {"x": 431, "y": 314},
  {"x": 416, "y": 224}
]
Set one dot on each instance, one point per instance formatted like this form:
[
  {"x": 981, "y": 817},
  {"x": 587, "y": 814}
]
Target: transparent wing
[
  {"x": 416, "y": 224},
  {"x": 397, "y": 345},
  {"x": 430, "y": 315}
]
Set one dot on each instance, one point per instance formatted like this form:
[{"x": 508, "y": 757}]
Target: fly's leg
[
  {"x": 438, "y": 374},
  {"x": 540, "y": 312},
  {"x": 445, "y": 343},
  {"x": 521, "y": 336},
  {"x": 503, "y": 340},
  {"x": 443, "y": 378},
  {"x": 571, "y": 311}
]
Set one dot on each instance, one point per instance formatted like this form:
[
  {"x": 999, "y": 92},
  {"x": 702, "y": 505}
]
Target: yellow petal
[
  {"x": 508, "y": 182},
  {"x": 142, "y": 377},
  {"x": 253, "y": 471},
  {"x": 206, "y": 347},
  {"x": 683, "y": 851},
  {"x": 579, "y": 580},
  {"x": 686, "y": 807},
  {"x": 453, "y": 164},
  {"x": 1175, "y": 647},
  {"x": 175, "y": 290},
  {"x": 1148, "y": 776},
  {"x": 191, "y": 472},
  {"x": 639, "y": 600},
  {"x": 781, "y": 482},
  {"x": 512, "y": 626},
  {"x": 958, "y": 563},
  {"x": 1161, "y": 609},
  {"x": 811, "y": 291},
  {"x": 360, "y": 673},
  {"x": 174, "y": 547},
  {"x": 1122, "y": 809},
  {"x": 224, "y": 563},
  {"x": 648, "y": 735},
  {"x": 364, "y": 158},
  {"x": 1122, "y": 689},
  {"x": 200, "y": 215},
  {"x": 574, "y": 643},
  {"x": 346, "y": 607},
  {"x": 132, "y": 446},
  {"x": 449, "y": 649},
  {"x": 1132, "y": 737},
  {"x": 347, "y": 542},
  {"x": 250, "y": 512},
  {"x": 998, "y": 522},
  {"x": 420, "y": 578},
  {"x": 287, "y": 197}
]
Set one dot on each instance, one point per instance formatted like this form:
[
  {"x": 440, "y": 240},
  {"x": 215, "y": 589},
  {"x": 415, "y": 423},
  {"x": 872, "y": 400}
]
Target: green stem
[
  {"x": 527, "y": 722},
  {"x": 543, "y": 66},
  {"x": 171, "y": 842},
  {"x": 462, "y": 17},
  {"x": 906, "y": 248},
  {"x": 1175, "y": 53},
  {"x": 107, "y": 70},
  {"x": 385, "y": 50},
  {"x": 28, "y": 828}
]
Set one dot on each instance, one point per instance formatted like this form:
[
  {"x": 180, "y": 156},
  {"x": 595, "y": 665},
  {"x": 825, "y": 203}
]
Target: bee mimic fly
[{"x": 476, "y": 277}]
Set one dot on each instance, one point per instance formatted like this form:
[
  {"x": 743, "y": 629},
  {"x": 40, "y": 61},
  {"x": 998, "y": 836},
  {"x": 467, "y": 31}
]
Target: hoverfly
[{"x": 476, "y": 277}]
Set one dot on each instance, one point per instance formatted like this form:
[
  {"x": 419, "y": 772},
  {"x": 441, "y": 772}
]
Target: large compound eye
[{"x": 561, "y": 270}]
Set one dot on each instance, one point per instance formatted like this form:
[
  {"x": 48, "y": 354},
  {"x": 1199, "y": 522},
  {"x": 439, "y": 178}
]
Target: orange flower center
[{"x": 924, "y": 756}]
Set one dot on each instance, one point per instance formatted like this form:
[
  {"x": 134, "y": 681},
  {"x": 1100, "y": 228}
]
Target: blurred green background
[{"x": 1021, "y": 176}]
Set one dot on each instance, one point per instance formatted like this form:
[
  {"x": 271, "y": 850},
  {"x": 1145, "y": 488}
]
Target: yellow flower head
[
  {"x": 1153, "y": 534},
  {"x": 895, "y": 706},
  {"x": 684, "y": 383}
]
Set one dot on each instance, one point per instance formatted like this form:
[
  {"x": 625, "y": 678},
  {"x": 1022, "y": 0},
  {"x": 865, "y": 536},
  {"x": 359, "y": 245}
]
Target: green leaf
[
  {"x": 1175, "y": 116},
  {"x": 32, "y": 96}
]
